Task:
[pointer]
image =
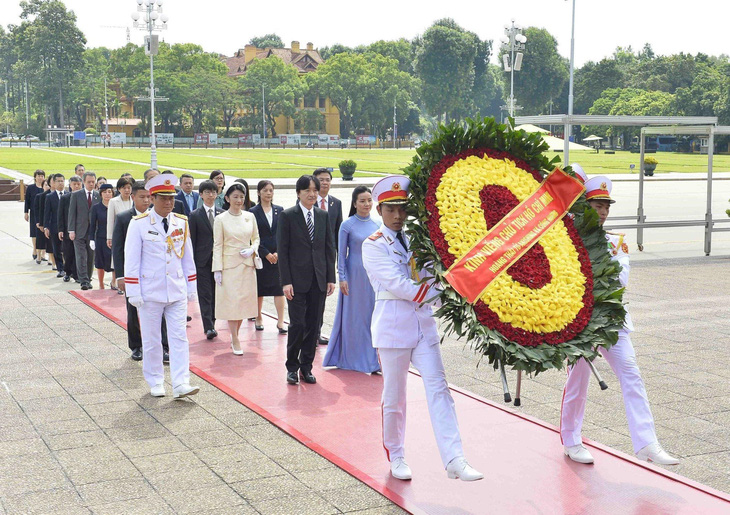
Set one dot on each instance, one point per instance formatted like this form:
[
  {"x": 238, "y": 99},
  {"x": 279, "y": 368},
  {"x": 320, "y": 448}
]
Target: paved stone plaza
[{"x": 80, "y": 432}]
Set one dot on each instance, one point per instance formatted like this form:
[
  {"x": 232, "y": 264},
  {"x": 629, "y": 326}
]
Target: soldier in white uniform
[
  {"x": 404, "y": 332},
  {"x": 620, "y": 357},
  {"x": 160, "y": 279}
]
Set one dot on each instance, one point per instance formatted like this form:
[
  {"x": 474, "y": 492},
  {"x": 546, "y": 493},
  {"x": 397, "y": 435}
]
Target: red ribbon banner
[{"x": 514, "y": 235}]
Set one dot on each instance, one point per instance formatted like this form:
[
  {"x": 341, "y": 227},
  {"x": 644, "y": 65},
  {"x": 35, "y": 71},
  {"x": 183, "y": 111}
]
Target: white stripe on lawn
[
  {"x": 16, "y": 175},
  {"x": 89, "y": 156}
]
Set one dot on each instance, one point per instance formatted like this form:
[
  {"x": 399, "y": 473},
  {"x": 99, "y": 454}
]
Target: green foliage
[
  {"x": 544, "y": 72},
  {"x": 459, "y": 316},
  {"x": 309, "y": 121},
  {"x": 282, "y": 86},
  {"x": 347, "y": 165},
  {"x": 267, "y": 41}
]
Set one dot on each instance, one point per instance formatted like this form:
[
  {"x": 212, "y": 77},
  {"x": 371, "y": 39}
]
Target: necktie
[
  {"x": 310, "y": 226},
  {"x": 165, "y": 224},
  {"x": 399, "y": 237},
  {"x": 323, "y": 205},
  {"x": 211, "y": 217},
  {"x": 89, "y": 199},
  {"x": 190, "y": 202}
]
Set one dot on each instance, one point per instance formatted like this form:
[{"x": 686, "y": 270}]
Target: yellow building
[
  {"x": 122, "y": 117},
  {"x": 304, "y": 61}
]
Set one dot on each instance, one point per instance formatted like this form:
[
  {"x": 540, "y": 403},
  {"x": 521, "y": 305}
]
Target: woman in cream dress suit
[{"x": 235, "y": 244}]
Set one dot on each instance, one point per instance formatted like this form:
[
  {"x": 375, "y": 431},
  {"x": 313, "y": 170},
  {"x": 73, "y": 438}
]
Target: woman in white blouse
[{"x": 120, "y": 203}]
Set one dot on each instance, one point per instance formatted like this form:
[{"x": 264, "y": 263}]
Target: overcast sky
[{"x": 223, "y": 26}]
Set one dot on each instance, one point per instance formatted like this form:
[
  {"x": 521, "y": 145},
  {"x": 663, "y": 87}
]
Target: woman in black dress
[
  {"x": 39, "y": 205},
  {"x": 97, "y": 233},
  {"x": 30, "y": 192},
  {"x": 267, "y": 279}
]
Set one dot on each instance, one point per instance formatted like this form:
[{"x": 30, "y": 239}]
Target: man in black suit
[
  {"x": 79, "y": 212},
  {"x": 307, "y": 267},
  {"x": 187, "y": 195},
  {"x": 201, "y": 236},
  {"x": 142, "y": 201},
  {"x": 333, "y": 206},
  {"x": 69, "y": 254},
  {"x": 53, "y": 203}
]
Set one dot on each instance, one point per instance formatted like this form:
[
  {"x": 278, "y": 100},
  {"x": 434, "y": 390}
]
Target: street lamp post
[
  {"x": 513, "y": 44},
  {"x": 146, "y": 19},
  {"x": 263, "y": 110},
  {"x": 569, "y": 123}
]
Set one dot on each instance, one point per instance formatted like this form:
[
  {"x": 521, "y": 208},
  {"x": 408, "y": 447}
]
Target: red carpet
[{"x": 339, "y": 418}]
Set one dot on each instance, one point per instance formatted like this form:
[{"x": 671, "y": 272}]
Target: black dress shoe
[
  {"x": 66, "y": 278},
  {"x": 323, "y": 341},
  {"x": 307, "y": 377},
  {"x": 60, "y": 274},
  {"x": 137, "y": 354},
  {"x": 282, "y": 330},
  {"x": 165, "y": 358},
  {"x": 292, "y": 378},
  {"x": 210, "y": 334},
  {"x": 85, "y": 286},
  {"x": 189, "y": 318}
]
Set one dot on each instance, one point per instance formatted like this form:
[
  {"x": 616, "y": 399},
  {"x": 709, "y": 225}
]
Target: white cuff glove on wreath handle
[
  {"x": 246, "y": 252},
  {"x": 136, "y": 301},
  {"x": 218, "y": 276}
]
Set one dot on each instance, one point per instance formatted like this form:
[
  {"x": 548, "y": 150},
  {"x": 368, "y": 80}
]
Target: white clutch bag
[{"x": 257, "y": 262}]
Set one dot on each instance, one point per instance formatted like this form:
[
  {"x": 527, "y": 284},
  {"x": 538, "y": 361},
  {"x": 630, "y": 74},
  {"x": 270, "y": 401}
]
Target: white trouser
[
  {"x": 622, "y": 359},
  {"x": 427, "y": 360},
  {"x": 150, "y": 320}
]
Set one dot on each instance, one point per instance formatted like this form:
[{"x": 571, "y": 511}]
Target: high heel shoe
[
  {"x": 236, "y": 352},
  {"x": 282, "y": 330},
  {"x": 257, "y": 326}
]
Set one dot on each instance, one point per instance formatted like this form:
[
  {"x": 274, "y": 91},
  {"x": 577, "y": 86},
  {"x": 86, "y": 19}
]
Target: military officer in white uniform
[
  {"x": 620, "y": 357},
  {"x": 404, "y": 332},
  {"x": 160, "y": 279}
]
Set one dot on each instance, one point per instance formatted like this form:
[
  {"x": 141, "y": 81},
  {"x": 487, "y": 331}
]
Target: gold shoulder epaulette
[
  {"x": 184, "y": 217},
  {"x": 142, "y": 215},
  {"x": 375, "y": 235}
]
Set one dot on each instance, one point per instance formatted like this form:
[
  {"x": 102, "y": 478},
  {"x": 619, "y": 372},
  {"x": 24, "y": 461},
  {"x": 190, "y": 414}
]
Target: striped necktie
[{"x": 310, "y": 226}]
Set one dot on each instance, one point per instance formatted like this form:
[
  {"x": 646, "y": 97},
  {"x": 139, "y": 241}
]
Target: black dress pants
[
  {"x": 69, "y": 256},
  {"x": 57, "y": 251},
  {"x": 304, "y": 316},
  {"x": 134, "y": 334},
  {"x": 206, "y": 297}
]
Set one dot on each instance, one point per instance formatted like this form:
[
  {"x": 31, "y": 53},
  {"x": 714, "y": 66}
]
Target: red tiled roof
[{"x": 305, "y": 61}]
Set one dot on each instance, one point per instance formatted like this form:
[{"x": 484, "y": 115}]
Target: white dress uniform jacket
[
  {"x": 152, "y": 268},
  {"x": 398, "y": 316},
  {"x": 622, "y": 359}
]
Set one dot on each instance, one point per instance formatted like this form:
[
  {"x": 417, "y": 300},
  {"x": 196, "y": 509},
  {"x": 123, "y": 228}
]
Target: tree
[
  {"x": 544, "y": 72},
  {"x": 309, "y": 121},
  {"x": 703, "y": 97},
  {"x": 593, "y": 79},
  {"x": 87, "y": 91},
  {"x": 267, "y": 41},
  {"x": 445, "y": 64},
  {"x": 281, "y": 85},
  {"x": 401, "y": 50},
  {"x": 52, "y": 48}
]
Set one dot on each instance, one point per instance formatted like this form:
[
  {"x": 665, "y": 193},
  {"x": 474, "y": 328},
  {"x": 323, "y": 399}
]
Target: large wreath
[{"x": 560, "y": 300}]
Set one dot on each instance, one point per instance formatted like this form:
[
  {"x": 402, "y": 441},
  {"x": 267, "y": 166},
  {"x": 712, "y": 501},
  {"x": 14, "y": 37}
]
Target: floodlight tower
[
  {"x": 149, "y": 18},
  {"x": 512, "y": 45}
]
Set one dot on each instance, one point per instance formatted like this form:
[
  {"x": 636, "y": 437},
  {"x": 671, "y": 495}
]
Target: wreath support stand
[
  {"x": 601, "y": 382},
  {"x": 505, "y": 384}
]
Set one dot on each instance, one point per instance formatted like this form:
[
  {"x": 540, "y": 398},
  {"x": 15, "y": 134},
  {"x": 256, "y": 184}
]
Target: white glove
[
  {"x": 136, "y": 301},
  {"x": 218, "y": 276},
  {"x": 192, "y": 296},
  {"x": 92, "y": 244},
  {"x": 246, "y": 253}
]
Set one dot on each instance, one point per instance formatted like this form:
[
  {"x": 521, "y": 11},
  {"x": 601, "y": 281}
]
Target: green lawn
[
  {"x": 245, "y": 163},
  {"x": 277, "y": 163}
]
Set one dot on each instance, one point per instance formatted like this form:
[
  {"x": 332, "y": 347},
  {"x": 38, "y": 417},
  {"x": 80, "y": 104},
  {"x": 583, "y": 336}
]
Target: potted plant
[
  {"x": 650, "y": 165},
  {"x": 347, "y": 169}
]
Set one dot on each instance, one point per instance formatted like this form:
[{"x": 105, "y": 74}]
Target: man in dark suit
[
  {"x": 50, "y": 223},
  {"x": 187, "y": 195},
  {"x": 200, "y": 222},
  {"x": 333, "y": 206},
  {"x": 307, "y": 267},
  {"x": 142, "y": 201},
  {"x": 79, "y": 211},
  {"x": 69, "y": 254}
]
